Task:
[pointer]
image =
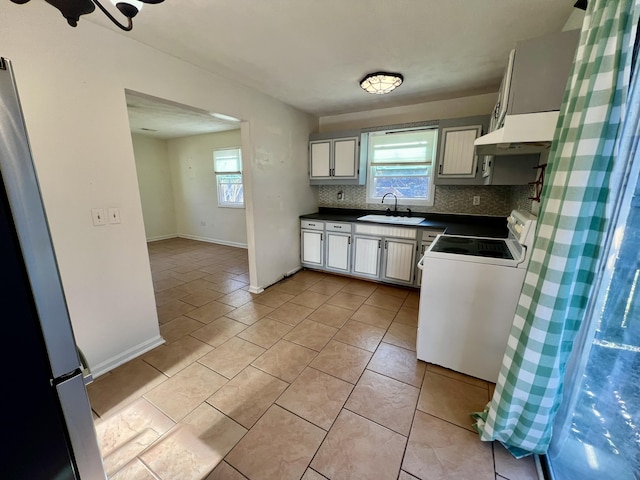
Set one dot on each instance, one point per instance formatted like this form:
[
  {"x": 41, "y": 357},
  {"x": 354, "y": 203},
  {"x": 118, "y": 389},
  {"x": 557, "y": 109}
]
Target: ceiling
[
  {"x": 159, "y": 118},
  {"x": 312, "y": 54}
]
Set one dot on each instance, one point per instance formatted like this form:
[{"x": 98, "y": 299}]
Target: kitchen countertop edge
[{"x": 452, "y": 223}]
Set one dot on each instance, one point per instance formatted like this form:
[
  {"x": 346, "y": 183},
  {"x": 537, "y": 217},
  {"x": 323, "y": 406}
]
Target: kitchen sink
[{"x": 396, "y": 220}]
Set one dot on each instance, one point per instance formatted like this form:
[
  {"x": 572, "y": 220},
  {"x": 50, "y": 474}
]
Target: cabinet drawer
[
  {"x": 311, "y": 225},
  {"x": 339, "y": 227},
  {"x": 430, "y": 235}
]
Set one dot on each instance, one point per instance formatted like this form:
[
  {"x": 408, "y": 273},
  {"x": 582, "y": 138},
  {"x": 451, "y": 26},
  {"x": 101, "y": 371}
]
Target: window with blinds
[
  {"x": 401, "y": 162},
  {"x": 227, "y": 165}
]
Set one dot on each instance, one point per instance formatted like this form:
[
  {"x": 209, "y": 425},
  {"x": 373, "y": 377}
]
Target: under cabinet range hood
[
  {"x": 521, "y": 134},
  {"x": 533, "y": 86}
]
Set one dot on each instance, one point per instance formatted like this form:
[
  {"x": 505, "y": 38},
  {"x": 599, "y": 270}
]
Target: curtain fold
[{"x": 571, "y": 224}]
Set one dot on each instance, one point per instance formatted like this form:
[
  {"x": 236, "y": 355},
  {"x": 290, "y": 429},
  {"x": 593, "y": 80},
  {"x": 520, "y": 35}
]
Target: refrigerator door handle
[{"x": 77, "y": 413}]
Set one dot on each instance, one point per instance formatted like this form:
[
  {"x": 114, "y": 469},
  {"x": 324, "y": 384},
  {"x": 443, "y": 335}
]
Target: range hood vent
[{"x": 521, "y": 134}]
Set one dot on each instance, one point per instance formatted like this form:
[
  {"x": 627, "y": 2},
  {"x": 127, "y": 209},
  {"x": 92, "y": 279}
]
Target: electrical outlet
[
  {"x": 99, "y": 217},
  {"x": 114, "y": 215},
  {"x": 476, "y": 199}
]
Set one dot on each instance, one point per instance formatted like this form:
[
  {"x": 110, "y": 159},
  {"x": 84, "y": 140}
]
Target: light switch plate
[
  {"x": 114, "y": 215},
  {"x": 99, "y": 217}
]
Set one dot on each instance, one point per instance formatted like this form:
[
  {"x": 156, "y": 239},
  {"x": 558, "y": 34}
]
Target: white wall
[
  {"x": 195, "y": 192},
  {"x": 72, "y": 85},
  {"x": 156, "y": 191},
  {"x": 453, "y": 108}
]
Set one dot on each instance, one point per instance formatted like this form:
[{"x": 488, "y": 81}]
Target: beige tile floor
[{"x": 314, "y": 378}]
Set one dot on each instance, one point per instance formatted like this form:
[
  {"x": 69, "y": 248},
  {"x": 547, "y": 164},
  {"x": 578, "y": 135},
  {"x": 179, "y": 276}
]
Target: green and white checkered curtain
[{"x": 570, "y": 230}]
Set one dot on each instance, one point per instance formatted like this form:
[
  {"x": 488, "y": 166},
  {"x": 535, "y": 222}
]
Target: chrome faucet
[{"x": 395, "y": 207}]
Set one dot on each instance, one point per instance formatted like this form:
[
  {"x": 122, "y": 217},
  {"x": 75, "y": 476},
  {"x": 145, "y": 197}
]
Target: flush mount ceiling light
[
  {"x": 381, "y": 82},
  {"x": 72, "y": 9}
]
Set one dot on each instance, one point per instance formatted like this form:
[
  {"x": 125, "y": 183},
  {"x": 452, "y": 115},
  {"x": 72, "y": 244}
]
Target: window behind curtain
[
  {"x": 401, "y": 162},
  {"x": 597, "y": 430},
  {"x": 227, "y": 164}
]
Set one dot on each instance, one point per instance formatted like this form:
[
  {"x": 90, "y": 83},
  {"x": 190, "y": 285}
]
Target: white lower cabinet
[
  {"x": 366, "y": 256},
  {"x": 375, "y": 252},
  {"x": 386, "y": 253},
  {"x": 399, "y": 260},
  {"x": 312, "y": 243},
  {"x": 338, "y": 252}
]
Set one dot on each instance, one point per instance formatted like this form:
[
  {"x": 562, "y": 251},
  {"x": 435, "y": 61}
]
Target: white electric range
[{"x": 468, "y": 297}]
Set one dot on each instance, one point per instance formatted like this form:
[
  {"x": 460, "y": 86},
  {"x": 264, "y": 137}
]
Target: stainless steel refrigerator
[{"x": 47, "y": 421}]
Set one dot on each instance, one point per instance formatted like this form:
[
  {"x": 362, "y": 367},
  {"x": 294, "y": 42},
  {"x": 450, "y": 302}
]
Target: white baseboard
[
  {"x": 162, "y": 237},
  {"x": 253, "y": 289},
  {"x": 212, "y": 240},
  {"x": 124, "y": 357}
]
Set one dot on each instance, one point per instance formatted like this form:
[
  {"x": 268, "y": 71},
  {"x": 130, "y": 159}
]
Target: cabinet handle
[
  {"x": 385, "y": 244},
  {"x": 321, "y": 236},
  {"x": 337, "y": 226},
  {"x": 349, "y": 240},
  {"x": 379, "y": 244},
  {"x": 440, "y": 169}
]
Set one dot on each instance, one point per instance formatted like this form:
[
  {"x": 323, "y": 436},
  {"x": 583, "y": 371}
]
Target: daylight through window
[
  {"x": 400, "y": 162},
  {"x": 227, "y": 164}
]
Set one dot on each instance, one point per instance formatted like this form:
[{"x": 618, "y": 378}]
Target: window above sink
[{"x": 400, "y": 161}]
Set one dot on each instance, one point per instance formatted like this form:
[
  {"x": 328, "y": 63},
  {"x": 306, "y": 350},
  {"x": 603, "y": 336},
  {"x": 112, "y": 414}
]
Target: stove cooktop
[{"x": 480, "y": 247}]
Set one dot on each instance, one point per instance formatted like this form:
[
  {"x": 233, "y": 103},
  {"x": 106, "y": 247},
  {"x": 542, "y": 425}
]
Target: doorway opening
[{"x": 189, "y": 168}]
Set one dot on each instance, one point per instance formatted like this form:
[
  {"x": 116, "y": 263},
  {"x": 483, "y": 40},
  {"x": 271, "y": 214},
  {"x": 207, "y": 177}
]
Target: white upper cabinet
[
  {"x": 335, "y": 159},
  {"x": 458, "y": 163},
  {"x": 457, "y": 156},
  {"x": 320, "y": 159}
]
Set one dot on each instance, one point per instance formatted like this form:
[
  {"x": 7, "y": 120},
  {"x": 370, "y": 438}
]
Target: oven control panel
[{"x": 522, "y": 225}]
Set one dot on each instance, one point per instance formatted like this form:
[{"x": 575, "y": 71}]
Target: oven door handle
[{"x": 421, "y": 264}]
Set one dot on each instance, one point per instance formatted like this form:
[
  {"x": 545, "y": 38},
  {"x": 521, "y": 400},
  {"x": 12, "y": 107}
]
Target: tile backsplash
[{"x": 494, "y": 200}]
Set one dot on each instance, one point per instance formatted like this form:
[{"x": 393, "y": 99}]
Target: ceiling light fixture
[
  {"x": 381, "y": 82},
  {"x": 72, "y": 9}
]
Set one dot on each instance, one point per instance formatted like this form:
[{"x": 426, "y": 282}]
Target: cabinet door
[
  {"x": 320, "y": 159},
  {"x": 338, "y": 252},
  {"x": 457, "y": 155},
  {"x": 345, "y": 158},
  {"x": 312, "y": 247},
  {"x": 399, "y": 260},
  {"x": 366, "y": 256}
]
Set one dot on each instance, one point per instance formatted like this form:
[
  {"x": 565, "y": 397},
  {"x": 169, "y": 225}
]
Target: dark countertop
[{"x": 453, "y": 224}]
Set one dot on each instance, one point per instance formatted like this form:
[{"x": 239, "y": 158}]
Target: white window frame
[
  {"x": 222, "y": 171},
  {"x": 429, "y": 162}
]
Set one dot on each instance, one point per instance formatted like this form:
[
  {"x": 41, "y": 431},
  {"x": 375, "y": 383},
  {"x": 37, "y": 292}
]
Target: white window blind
[
  {"x": 227, "y": 165},
  {"x": 401, "y": 162}
]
